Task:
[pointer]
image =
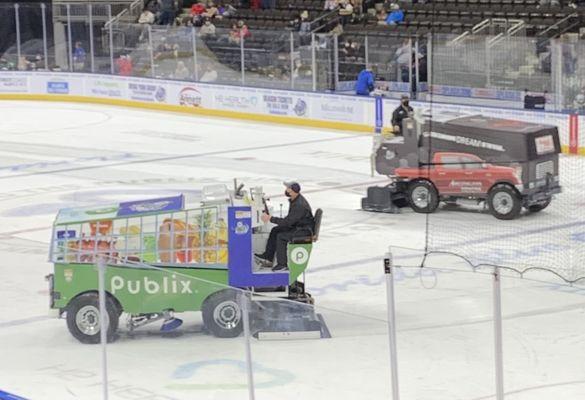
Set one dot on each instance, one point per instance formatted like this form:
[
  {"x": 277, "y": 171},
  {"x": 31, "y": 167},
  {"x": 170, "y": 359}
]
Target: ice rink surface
[{"x": 61, "y": 155}]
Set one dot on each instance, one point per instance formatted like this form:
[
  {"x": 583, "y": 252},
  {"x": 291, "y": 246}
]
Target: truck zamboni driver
[{"x": 298, "y": 223}]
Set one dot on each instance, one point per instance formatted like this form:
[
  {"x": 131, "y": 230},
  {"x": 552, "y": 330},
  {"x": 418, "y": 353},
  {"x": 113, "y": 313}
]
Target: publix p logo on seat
[{"x": 299, "y": 255}]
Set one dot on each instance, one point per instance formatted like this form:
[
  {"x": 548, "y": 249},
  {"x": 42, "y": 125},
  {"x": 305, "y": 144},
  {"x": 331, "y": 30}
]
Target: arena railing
[{"x": 79, "y": 41}]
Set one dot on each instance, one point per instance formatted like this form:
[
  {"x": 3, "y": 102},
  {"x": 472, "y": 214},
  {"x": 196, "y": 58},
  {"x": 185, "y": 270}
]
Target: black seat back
[{"x": 318, "y": 216}]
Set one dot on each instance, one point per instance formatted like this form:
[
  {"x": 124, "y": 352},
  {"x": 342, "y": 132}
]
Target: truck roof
[{"x": 497, "y": 124}]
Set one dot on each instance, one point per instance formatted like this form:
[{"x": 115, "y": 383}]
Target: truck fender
[
  {"x": 508, "y": 183},
  {"x": 108, "y": 294}
]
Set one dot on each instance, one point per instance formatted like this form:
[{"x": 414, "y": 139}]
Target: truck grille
[{"x": 544, "y": 168}]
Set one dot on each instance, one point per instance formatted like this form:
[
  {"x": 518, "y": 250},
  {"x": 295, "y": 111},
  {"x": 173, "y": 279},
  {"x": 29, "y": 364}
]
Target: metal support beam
[
  {"x": 391, "y": 306},
  {"x": 498, "y": 342}
]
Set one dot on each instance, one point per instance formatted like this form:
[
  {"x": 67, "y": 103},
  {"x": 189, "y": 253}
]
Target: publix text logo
[{"x": 167, "y": 286}]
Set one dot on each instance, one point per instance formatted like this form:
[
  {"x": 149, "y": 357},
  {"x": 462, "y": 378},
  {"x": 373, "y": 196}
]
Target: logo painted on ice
[
  {"x": 299, "y": 255},
  {"x": 167, "y": 286}
]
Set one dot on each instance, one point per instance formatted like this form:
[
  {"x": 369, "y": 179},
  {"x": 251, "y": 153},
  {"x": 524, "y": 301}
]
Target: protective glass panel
[
  {"x": 302, "y": 75},
  {"x": 267, "y": 56},
  {"x": 173, "y": 52},
  {"x": 351, "y": 49},
  {"x": 219, "y": 55},
  {"x": 569, "y": 64},
  {"x": 511, "y": 64},
  {"x": 394, "y": 61}
]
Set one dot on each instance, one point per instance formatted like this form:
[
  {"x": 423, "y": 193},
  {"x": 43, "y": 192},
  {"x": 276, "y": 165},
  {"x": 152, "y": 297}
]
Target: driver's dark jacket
[{"x": 299, "y": 215}]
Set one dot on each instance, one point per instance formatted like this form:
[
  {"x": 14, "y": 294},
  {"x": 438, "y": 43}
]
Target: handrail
[
  {"x": 486, "y": 23},
  {"x": 322, "y": 17},
  {"x": 127, "y": 10},
  {"x": 518, "y": 25},
  {"x": 556, "y": 25}
]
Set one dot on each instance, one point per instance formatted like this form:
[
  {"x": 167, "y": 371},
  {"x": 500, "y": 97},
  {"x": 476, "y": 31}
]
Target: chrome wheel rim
[
  {"x": 421, "y": 197},
  {"x": 503, "y": 203},
  {"x": 87, "y": 320},
  {"x": 227, "y": 314}
]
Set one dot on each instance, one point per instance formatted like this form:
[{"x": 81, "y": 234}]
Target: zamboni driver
[{"x": 298, "y": 223}]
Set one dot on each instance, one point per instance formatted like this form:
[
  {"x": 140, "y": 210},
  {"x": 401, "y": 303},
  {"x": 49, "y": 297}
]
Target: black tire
[
  {"x": 83, "y": 318},
  {"x": 222, "y": 315},
  {"x": 504, "y": 202},
  {"x": 423, "y": 197},
  {"x": 539, "y": 207}
]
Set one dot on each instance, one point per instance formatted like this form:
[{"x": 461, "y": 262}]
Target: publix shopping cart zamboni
[{"x": 165, "y": 258}]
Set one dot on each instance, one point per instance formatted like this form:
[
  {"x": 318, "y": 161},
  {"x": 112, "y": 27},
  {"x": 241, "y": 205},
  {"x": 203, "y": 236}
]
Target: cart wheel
[
  {"x": 222, "y": 315},
  {"x": 504, "y": 202},
  {"x": 83, "y": 318},
  {"x": 423, "y": 197},
  {"x": 541, "y": 206}
]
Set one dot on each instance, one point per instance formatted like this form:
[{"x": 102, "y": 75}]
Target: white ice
[{"x": 56, "y": 155}]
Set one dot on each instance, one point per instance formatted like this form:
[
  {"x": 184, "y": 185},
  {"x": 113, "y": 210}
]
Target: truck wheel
[
  {"x": 504, "y": 202},
  {"x": 539, "y": 207},
  {"x": 222, "y": 315},
  {"x": 423, "y": 197},
  {"x": 83, "y": 318}
]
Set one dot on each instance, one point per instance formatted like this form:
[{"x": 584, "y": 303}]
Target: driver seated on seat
[{"x": 298, "y": 223}]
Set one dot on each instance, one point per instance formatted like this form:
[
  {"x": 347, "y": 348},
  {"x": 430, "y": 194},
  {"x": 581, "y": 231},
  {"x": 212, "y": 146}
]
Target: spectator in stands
[
  {"x": 239, "y": 31},
  {"x": 208, "y": 29},
  {"x": 23, "y": 64},
  {"x": 154, "y": 8},
  {"x": 346, "y": 11},
  {"x": 230, "y": 11},
  {"x": 234, "y": 35},
  {"x": 167, "y": 12},
  {"x": 243, "y": 29},
  {"x": 295, "y": 23},
  {"x": 181, "y": 72},
  {"x": 396, "y": 16},
  {"x": 37, "y": 64},
  {"x": 124, "y": 64},
  {"x": 330, "y": 5},
  {"x": 381, "y": 16},
  {"x": 6, "y": 65},
  {"x": 78, "y": 57},
  {"x": 579, "y": 102},
  {"x": 305, "y": 29},
  {"x": 225, "y": 11},
  {"x": 404, "y": 110},
  {"x": 349, "y": 50},
  {"x": 338, "y": 30},
  {"x": 211, "y": 10},
  {"x": 197, "y": 13},
  {"x": 402, "y": 58},
  {"x": 146, "y": 17},
  {"x": 210, "y": 75},
  {"x": 197, "y": 8},
  {"x": 365, "y": 82}
]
